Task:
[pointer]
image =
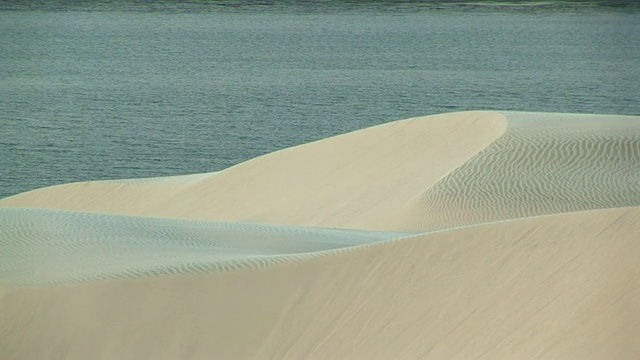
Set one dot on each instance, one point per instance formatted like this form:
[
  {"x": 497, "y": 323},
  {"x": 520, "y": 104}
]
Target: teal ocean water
[{"x": 123, "y": 89}]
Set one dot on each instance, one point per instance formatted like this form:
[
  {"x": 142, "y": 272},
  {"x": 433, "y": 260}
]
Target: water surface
[{"x": 104, "y": 90}]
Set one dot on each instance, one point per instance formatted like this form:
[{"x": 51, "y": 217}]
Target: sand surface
[{"x": 493, "y": 235}]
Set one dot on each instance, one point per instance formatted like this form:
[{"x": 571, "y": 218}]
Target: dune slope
[{"x": 558, "y": 287}]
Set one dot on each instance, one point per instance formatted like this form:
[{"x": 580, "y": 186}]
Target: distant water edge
[
  {"x": 313, "y": 6},
  {"x": 93, "y": 90}
]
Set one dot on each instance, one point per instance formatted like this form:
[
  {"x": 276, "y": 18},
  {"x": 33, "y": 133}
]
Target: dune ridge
[
  {"x": 489, "y": 235},
  {"x": 298, "y": 186}
]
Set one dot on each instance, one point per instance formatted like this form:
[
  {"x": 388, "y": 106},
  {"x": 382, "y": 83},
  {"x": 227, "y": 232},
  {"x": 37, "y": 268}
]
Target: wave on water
[{"x": 308, "y": 6}]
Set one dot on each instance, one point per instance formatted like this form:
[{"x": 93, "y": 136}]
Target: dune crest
[{"x": 315, "y": 184}]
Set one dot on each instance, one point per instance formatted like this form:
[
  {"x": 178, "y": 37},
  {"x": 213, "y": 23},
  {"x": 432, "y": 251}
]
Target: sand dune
[
  {"x": 316, "y": 184},
  {"x": 493, "y": 235},
  {"x": 559, "y": 287}
]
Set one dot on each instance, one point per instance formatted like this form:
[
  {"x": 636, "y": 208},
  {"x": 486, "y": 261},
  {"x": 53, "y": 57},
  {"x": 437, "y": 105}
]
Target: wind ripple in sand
[
  {"x": 543, "y": 164},
  {"x": 52, "y": 246}
]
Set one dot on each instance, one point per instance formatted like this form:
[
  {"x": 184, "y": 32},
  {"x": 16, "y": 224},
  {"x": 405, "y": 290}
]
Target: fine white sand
[{"x": 494, "y": 235}]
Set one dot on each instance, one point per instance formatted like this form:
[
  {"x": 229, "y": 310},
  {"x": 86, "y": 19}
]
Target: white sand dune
[
  {"x": 349, "y": 181},
  {"x": 494, "y": 235}
]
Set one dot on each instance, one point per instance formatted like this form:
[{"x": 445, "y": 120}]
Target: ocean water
[{"x": 124, "y": 89}]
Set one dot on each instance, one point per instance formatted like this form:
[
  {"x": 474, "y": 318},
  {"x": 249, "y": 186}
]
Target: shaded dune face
[
  {"x": 41, "y": 246},
  {"x": 543, "y": 164}
]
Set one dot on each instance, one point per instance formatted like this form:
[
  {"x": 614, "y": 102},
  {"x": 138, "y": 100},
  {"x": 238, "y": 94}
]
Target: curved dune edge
[
  {"x": 561, "y": 286},
  {"x": 346, "y": 181}
]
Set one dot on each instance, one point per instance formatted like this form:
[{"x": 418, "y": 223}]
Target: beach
[{"x": 476, "y": 234}]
